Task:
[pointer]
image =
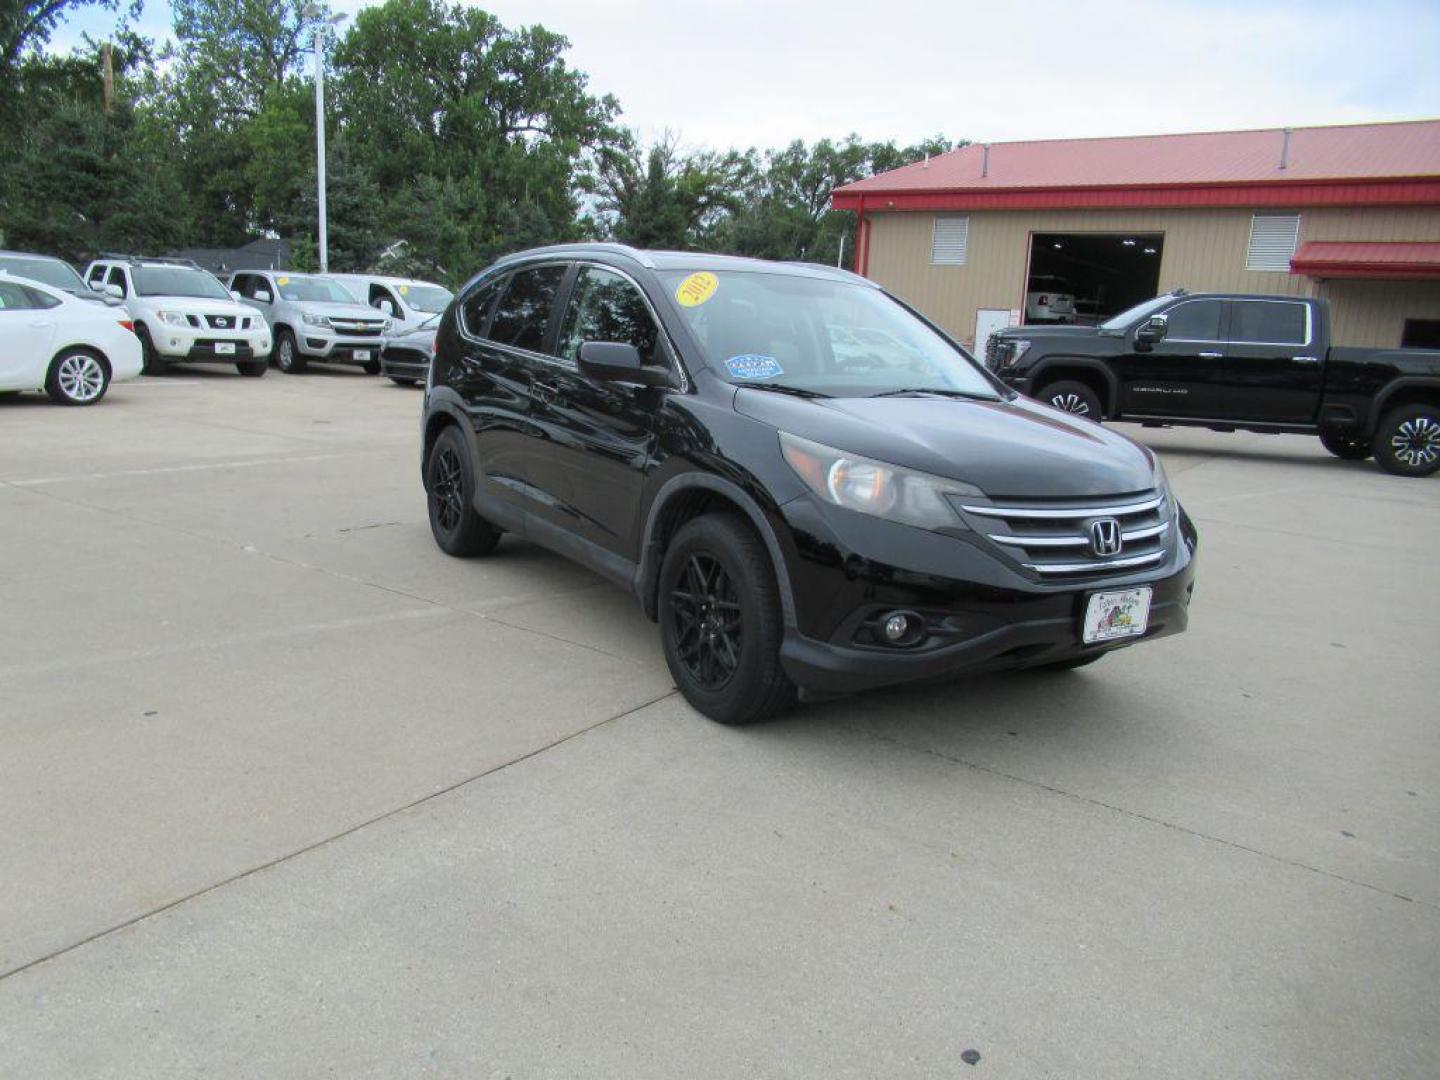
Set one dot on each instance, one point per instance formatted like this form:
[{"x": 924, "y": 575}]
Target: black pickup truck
[{"x": 1228, "y": 362}]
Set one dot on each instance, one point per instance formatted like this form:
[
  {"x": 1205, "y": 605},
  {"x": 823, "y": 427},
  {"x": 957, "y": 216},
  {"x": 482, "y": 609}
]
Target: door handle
[
  {"x": 1306, "y": 359},
  {"x": 1212, "y": 356}
]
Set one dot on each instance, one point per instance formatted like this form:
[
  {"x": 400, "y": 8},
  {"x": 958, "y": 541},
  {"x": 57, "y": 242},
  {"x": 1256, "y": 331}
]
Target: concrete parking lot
[{"x": 286, "y": 792}]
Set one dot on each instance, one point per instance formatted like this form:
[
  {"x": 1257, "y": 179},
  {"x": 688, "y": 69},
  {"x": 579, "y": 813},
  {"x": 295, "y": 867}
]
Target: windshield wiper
[
  {"x": 911, "y": 390},
  {"x": 781, "y": 388}
]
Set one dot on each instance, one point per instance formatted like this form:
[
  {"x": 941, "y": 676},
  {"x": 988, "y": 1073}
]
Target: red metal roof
[
  {"x": 1333, "y": 258},
  {"x": 1335, "y": 165}
]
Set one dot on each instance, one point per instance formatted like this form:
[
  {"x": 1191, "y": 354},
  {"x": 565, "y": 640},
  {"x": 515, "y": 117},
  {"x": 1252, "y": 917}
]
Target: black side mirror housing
[
  {"x": 1152, "y": 332},
  {"x": 619, "y": 362}
]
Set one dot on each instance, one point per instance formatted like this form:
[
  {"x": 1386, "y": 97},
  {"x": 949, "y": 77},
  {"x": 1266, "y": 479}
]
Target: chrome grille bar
[
  {"x": 1091, "y": 567},
  {"x": 1054, "y": 513}
]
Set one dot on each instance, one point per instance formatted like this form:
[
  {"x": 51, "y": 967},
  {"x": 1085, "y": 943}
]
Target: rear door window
[
  {"x": 1194, "y": 320},
  {"x": 523, "y": 312},
  {"x": 604, "y": 306},
  {"x": 1268, "y": 322}
]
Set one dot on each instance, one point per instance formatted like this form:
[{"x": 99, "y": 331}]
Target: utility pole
[{"x": 317, "y": 13}]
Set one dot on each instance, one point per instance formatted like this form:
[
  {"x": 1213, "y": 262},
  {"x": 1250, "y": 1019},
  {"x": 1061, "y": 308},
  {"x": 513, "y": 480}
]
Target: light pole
[{"x": 316, "y": 13}]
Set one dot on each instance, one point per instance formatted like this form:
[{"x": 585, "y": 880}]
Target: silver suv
[{"x": 313, "y": 318}]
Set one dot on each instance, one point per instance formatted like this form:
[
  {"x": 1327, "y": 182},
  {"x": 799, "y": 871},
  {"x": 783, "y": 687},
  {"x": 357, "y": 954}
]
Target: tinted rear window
[
  {"x": 1267, "y": 322},
  {"x": 522, "y": 313}
]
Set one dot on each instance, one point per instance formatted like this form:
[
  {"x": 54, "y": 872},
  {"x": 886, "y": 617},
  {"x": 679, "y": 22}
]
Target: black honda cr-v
[{"x": 809, "y": 486}]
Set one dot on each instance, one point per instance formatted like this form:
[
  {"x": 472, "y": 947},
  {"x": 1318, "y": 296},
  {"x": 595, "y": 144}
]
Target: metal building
[{"x": 978, "y": 237}]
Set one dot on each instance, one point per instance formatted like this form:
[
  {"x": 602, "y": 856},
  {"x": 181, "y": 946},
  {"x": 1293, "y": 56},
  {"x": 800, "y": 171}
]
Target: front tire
[
  {"x": 720, "y": 622},
  {"x": 458, "y": 528},
  {"x": 152, "y": 362},
  {"x": 371, "y": 367},
  {"x": 1347, "y": 447},
  {"x": 1074, "y": 398},
  {"x": 287, "y": 354},
  {"x": 1407, "y": 441},
  {"x": 252, "y": 369},
  {"x": 77, "y": 377}
]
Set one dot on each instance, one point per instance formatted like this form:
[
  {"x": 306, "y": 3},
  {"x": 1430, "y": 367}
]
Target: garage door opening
[{"x": 1087, "y": 277}]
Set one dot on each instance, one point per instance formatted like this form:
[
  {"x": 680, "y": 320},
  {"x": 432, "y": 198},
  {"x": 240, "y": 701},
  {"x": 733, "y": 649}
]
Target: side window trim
[
  {"x": 1222, "y": 324},
  {"x": 477, "y": 334},
  {"x": 672, "y": 354},
  {"x": 1309, "y": 324}
]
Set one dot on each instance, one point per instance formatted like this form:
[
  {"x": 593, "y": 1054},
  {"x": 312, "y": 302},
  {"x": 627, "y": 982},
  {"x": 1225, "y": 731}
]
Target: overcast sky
[{"x": 762, "y": 72}]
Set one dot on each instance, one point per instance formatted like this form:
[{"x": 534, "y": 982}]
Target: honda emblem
[{"x": 1105, "y": 537}]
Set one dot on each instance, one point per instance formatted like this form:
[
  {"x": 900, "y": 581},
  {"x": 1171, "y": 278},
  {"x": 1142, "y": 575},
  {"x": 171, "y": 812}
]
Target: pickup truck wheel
[
  {"x": 252, "y": 368},
  {"x": 1073, "y": 397},
  {"x": 720, "y": 623},
  {"x": 151, "y": 361},
  {"x": 450, "y": 494},
  {"x": 1407, "y": 442},
  {"x": 372, "y": 367},
  {"x": 1349, "y": 447},
  {"x": 287, "y": 354}
]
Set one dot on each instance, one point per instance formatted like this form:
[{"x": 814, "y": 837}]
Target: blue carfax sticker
[{"x": 753, "y": 366}]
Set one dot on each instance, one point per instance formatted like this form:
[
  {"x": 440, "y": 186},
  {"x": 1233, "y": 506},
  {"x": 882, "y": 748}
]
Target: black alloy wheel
[
  {"x": 458, "y": 528},
  {"x": 720, "y": 621},
  {"x": 708, "y": 632}
]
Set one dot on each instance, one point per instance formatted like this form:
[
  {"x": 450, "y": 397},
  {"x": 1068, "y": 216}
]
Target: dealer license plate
[
  {"x": 1121, "y": 614},
  {"x": 362, "y": 354},
  {"x": 224, "y": 348}
]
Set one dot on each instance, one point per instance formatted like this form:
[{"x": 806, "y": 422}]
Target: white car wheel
[{"x": 77, "y": 378}]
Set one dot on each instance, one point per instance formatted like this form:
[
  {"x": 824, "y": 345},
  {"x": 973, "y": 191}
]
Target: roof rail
[
  {"x": 119, "y": 256},
  {"x": 581, "y": 248}
]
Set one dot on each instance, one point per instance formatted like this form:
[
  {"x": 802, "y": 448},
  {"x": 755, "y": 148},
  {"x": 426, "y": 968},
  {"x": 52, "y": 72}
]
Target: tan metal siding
[
  {"x": 1204, "y": 251},
  {"x": 1373, "y": 313}
]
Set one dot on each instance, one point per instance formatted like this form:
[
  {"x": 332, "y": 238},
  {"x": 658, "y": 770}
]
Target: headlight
[
  {"x": 873, "y": 487},
  {"x": 172, "y": 318},
  {"x": 1018, "y": 348},
  {"x": 315, "y": 320}
]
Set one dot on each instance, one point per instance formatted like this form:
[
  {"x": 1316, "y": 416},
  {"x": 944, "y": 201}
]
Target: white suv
[
  {"x": 183, "y": 314},
  {"x": 314, "y": 319}
]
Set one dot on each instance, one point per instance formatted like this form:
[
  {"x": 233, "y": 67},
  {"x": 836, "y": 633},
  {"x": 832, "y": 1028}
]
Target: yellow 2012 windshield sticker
[
  {"x": 696, "y": 289},
  {"x": 282, "y": 281}
]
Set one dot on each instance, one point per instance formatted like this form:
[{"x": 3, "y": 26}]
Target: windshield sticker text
[
  {"x": 696, "y": 289},
  {"x": 753, "y": 366}
]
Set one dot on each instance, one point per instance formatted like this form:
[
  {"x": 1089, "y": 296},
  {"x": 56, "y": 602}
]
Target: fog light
[{"x": 897, "y": 626}]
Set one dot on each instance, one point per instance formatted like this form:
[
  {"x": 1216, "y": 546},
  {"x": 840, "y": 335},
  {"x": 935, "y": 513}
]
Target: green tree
[
  {"x": 26, "y": 26},
  {"x": 666, "y": 198}
]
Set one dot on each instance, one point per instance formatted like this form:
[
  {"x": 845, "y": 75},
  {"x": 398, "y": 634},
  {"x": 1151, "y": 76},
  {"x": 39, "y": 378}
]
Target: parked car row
[{"x": 173, "y": 311}]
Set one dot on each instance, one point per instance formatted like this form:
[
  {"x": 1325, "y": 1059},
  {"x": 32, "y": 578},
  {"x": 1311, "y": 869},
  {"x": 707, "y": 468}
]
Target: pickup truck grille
[
  {"x": 227, "y": 322},
  {"x": 358, "y": 327},
  {"x": 1072, "y": 539}
]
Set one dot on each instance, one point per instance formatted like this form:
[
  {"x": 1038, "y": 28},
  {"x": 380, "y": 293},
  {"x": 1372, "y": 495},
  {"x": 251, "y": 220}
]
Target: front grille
[
  {"x": 227, "y": 322},
  {"x": 1058, "y": 540},
  {"x": 357, "y": 327}
]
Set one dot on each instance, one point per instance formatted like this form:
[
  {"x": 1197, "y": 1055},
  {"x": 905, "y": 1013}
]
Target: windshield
[
  {"x": 431, "y": 299},
  {"x": 818, "y": 336},
  {"x": 313, "y": 288},
  {"x": 46, "y": 271},
  {"x": 1136, "y": 313},
  {"x": 177, "y": 281}
]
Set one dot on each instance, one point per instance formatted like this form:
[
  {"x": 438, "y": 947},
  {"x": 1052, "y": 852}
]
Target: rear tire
[
  {"x": 372, "y": 367},
  {"x": 252, "y": 369},
  {"x": 288, "y": 357},
  {"x": 1348, "y": 447},
  {"x": 1072, "y": 397},
  {"x": 720, "y": 622},
  {"x": 77, "y": 377},
  {"x": 152, "y": 362},
  {"x": 403, "y": 382},
  {"x": 458, "y": 528},
  {"x": 1407, "y": 440}
]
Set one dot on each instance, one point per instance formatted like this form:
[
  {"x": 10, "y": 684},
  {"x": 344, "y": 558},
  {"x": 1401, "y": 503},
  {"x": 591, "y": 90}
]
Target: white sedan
[{"x": 71, "y": 349}]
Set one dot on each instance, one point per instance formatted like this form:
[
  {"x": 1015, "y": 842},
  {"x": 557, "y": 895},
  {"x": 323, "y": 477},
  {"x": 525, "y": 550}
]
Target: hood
[
  {"x": 1032, "y": 333},
  {"x": 336, "y": 311},
  {"x": 195, "y": 305},
  {"x": 414, "y": 336},
  {"x": 1014, "y": 449}
]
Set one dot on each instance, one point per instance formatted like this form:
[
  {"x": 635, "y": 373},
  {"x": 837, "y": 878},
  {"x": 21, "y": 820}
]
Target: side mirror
[
  {"x": 262, "y": 296},
  {"x": 115, "y": 291},
  {"x": 386, "y": 306},
  {"x": 619, "y": 361},
  {"x": 1152, "y": 331},
  {"x": 98, "y": 285}
]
